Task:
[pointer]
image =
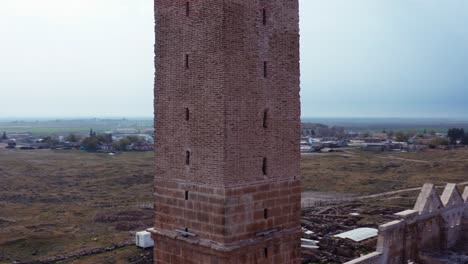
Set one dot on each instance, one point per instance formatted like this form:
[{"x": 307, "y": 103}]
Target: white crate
[{"x": 143, "y": 239}]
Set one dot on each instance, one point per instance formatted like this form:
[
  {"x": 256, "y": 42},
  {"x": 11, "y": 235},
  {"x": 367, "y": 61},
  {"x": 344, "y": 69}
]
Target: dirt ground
[
  {"x": 362, "y": 173},
  {"x": 59, "y": 202}
]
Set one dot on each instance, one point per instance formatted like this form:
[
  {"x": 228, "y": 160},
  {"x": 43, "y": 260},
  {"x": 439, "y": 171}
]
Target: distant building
[
  {"x": 382, "y": 136},
  {"x": 334, "y": 144},
  {"x": 377, "y": 147},
  {"x": 35, "y": 145},
  {"x": 11, "y": 144},
  {"x": 105, "y": 147},
  {"x": 356, "y": 143},
  {"x": 141, "y": 146},
  {"x": 420, "y": 141},
  {"x": 351, "y": 134},
  {"x": 72, "y": 145},
  {"x": 374, "y": 140},
  {"x": 305, "y": 140},
  {"x": 306, "y": 146},
  {"x": 397, "y": 146}
]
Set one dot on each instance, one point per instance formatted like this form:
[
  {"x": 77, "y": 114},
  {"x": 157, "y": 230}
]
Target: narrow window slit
[
  {"x": 187, "y": 9},
  {"x": 186, "y": 61},
  {"x": 265, "y": 213},
  {"x": 264, "y": 167},
  {"x": 186, "y": 195},
  {"x": 187, "y": 158},
  {"x": 265, "y": 119},
  {"x": 264, "y": 19},
  {"x": 265, "y": 251},
  {"x": 265, "y": 69},
  {"x": 187, "y": 114}
]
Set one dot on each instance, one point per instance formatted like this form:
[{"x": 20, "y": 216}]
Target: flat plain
[
  {"x": 54, "y": 203},
  {"x": 363, "y": 173},
  {"x": 58, "y": 202}
]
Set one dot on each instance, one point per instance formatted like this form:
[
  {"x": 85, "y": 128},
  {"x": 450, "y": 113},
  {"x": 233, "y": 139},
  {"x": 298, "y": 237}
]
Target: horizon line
[{"x": 116, "y": 117}]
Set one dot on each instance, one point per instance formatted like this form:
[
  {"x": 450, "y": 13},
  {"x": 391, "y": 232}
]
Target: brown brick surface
[{"x": 223, "y": 172}]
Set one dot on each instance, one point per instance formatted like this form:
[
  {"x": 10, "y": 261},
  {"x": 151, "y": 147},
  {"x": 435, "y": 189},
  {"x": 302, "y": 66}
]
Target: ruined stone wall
[
  {"x": 435, "y": 224},
  {"x": 227, "y": 128},
  {"x": 428, "y": 234},
  {"x": 372, "y": 258},
  {"x": 402, "y": 240},
  {"x": 465, "y": 226},
  {"x": 453, "y": 228},
  {"x": 389, "y": 234}
]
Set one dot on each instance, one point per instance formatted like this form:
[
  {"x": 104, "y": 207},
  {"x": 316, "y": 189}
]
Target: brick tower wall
[
  {"x": 284, "y": 250},
  {"x": 227, "y": 131}
]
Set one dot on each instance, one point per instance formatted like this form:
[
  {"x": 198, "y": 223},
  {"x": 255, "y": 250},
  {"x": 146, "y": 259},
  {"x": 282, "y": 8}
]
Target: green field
[{"x": 79, "y": 126}]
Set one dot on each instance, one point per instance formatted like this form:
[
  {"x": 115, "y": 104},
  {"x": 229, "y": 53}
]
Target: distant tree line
[
  {"x": 51, "y": 141},
  {"x": 457, "y": 136},
  {"x": 92, "y": 142},
  {"x": 73, "y": 138},
  {"x": 122, "y": 144},
  {"x": 436, "y": 142},
  {"x": 402, "y": 137}
]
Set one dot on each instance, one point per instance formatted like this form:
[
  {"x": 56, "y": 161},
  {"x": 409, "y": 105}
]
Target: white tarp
[{"x": 359, "y": 234}]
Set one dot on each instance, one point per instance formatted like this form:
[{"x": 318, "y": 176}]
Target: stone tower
[{"x": 227, "y": 184}]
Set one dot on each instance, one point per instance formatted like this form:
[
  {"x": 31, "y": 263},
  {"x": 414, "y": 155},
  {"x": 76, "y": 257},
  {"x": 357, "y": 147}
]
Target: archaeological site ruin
[
  {"x": 227, "y": 184},
  {"x": 434, "y": 232}
]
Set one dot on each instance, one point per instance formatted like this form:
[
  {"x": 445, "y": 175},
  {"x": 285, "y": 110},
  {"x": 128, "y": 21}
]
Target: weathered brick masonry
[{"x": 227, "y": 131}]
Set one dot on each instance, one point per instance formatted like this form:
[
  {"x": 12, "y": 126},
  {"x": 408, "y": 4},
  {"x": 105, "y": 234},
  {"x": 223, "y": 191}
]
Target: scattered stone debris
[
  {"x": 321, "y": 224},
  {"x": 331, "y": 249},
  {"x": 81, "y": 254},
  {"x": 309, "y": 244},
  {"x": 146, "y": 257}
]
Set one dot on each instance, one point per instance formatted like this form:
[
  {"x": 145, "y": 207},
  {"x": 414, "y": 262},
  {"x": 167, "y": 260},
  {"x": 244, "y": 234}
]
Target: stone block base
[{"x": 284, "y": 249}]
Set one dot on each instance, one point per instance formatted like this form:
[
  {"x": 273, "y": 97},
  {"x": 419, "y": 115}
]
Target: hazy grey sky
[
  {"x": 358, "y": 58},
  {"x": 76, "y": 57},
  {"x": 384, "y": 58}
]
